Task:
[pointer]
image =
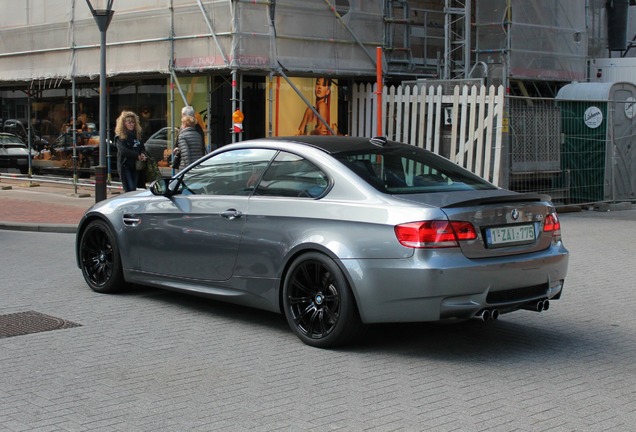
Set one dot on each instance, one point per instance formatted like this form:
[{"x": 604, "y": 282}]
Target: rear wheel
[
  {"x": 100, "y": 259},
  {"x": 318, "y": 303}
]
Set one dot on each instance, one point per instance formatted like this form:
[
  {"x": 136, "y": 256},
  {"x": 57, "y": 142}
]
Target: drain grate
[{"x": 23, "y": 323}]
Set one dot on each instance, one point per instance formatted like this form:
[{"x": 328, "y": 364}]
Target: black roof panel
[{"x": 339, "y": 144}]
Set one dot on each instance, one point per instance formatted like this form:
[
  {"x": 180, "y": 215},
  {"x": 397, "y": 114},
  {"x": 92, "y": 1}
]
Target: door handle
[
  {"x": 231, "y": 214},
  {"x": 131, "y": 221}
]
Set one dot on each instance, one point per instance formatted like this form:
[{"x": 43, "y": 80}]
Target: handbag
[
  {"x": 176, "y": 159},
  {"x": 140, "y": 165},
  {"x": 152, "y": 170}
]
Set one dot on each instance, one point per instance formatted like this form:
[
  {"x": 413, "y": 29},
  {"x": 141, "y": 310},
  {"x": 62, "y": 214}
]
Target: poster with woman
[{"x": 288, "y": 113}]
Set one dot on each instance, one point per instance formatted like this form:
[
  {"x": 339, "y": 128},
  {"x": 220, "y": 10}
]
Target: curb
[{"x": 39, "y": 227}]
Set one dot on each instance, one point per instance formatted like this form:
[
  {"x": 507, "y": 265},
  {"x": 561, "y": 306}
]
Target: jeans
[{"x": 129, "y": 178}]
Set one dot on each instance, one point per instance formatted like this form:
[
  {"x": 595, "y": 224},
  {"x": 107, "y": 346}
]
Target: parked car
[
  {"x": 333, "y": 232},
  {"x": 157, "y": 144},
  {"x": 16, "y": 127},
  {"x": 14, "y": 153}
]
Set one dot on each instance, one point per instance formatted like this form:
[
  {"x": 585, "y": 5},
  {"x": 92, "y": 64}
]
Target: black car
[{"x": 158, "y": 142}]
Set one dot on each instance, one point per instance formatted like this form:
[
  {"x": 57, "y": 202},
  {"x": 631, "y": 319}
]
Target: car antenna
[{"x": 380, "y": 140}]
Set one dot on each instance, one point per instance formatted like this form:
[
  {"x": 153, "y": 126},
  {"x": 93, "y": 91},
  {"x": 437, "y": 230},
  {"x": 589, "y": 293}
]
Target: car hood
[
  {"x": 14, "y": 152},
  {"x": 128, "y": 198}
]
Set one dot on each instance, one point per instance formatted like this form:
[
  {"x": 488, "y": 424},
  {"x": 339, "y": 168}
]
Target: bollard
[{"x": 100, "y": 183}]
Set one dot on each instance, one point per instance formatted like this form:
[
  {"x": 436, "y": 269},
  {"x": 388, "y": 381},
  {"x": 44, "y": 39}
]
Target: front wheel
[
  {"x": 318, "y": 303},
  {"x": 100, "y": 259}
]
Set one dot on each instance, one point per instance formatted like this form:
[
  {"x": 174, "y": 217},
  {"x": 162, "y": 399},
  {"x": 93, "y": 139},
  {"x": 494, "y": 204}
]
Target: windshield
[
  {"x": 403, "y": 170},
  {"x": 11, "y": 142}
]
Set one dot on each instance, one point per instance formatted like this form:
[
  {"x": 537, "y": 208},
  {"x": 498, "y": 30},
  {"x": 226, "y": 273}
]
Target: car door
[{"x": 195, "y": 234}]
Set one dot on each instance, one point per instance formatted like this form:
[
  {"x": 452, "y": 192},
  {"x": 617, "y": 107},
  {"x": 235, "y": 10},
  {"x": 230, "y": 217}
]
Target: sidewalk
[
  {"x": 47, "y": 207},
  {"x": 50, "y": 207}
]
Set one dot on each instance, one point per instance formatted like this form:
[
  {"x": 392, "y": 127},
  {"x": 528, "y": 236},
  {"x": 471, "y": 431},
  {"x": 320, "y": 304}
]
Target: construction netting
[
  {"x": 59, "y": 39},
  {"x": 545, "y": 40}
]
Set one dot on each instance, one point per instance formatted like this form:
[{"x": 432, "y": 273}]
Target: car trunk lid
[{"x": 506, "y": 223}]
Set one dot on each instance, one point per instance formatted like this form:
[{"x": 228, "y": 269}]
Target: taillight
[
  {"x": 434, "y": 234},
  {"x": 553, "y": 225}
]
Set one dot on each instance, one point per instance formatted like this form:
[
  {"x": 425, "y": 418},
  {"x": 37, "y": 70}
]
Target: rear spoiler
[{"x": 523, "y": 197}]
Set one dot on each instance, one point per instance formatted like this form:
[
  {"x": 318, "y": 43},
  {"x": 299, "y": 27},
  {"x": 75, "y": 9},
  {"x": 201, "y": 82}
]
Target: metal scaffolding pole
[
  {"x": 103, "y": 18},
  {"x": 457, "y": 39}
]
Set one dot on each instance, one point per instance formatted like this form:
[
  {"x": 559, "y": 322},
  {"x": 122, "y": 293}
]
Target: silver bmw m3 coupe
[{"x": 334, "y": 233}]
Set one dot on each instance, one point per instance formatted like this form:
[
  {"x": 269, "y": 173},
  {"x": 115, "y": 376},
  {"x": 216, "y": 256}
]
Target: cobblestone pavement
[{"x": 151, "y": 360}]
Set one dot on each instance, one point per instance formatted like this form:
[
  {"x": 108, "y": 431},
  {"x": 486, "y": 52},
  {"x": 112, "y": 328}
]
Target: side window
[
  {"x": 290, "y": 175},
  {"x": 234, "y": 172}
]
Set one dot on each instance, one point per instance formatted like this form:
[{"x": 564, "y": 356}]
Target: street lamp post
[{"x": 102, "y": 18}]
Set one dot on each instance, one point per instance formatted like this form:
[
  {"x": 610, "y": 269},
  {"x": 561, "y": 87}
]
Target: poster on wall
[{"x": 289, "y": 114}]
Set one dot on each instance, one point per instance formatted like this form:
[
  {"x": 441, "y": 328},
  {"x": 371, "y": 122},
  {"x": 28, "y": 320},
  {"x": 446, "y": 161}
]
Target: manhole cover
[{"x": 22, "y": 323}]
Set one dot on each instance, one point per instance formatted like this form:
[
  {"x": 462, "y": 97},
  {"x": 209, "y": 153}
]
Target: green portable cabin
[{"x": 597, "y": 153}]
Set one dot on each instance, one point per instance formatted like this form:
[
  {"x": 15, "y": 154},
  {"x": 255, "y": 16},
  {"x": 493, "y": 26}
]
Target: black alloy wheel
[
  {"x": 318, "y": 302},
  {"x": 99, "y": 258}
]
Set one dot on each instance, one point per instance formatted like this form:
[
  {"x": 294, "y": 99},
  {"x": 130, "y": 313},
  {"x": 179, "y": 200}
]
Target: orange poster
[{"x": 290, "y": 115}]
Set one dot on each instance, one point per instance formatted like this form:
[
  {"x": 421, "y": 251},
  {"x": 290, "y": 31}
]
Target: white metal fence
[{"x": 465, "y": 126}]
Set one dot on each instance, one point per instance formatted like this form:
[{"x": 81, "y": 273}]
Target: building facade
[{"x": 268, "y": 57}]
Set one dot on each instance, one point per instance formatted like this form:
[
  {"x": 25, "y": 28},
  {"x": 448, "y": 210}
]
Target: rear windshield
[{"x": 406, "y": 170}]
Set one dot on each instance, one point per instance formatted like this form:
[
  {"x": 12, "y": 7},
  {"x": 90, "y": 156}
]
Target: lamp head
[{"x": 102, "y": 16}]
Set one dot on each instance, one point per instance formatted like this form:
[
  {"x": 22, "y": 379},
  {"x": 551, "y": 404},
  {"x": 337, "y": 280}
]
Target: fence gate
[{"x": 465, "y": 126}]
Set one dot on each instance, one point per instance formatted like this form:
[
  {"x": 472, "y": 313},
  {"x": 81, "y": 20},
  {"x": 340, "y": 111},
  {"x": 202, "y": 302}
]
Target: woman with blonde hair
[{"x": 129, "y": 149}]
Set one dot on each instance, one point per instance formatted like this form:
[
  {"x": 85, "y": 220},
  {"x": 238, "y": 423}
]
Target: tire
[
  {"x": 100, "y": 259},
  {"x": 318, "y": 302}
]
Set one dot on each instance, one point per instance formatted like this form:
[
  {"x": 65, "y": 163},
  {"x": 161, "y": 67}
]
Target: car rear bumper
[{"x": 436, "y": 286}]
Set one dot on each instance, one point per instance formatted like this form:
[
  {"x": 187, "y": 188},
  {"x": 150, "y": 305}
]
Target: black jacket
[{"x": 127, "y": 151}]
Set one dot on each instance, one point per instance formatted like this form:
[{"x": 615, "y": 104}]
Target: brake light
[
  {"x": 553, "y": 225},
  {"x": 434, "y": 234}
]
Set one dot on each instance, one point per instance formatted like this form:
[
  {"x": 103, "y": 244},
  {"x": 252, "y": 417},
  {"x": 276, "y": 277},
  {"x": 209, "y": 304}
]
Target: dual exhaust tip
[
  {"x": 492, "y": 314},
  {"x": 487, "y": 315},
  {"x": 540, "y": 306}
]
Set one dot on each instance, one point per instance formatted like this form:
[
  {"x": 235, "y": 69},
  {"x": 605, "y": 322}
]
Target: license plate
[{"x": 510, "y": 234}]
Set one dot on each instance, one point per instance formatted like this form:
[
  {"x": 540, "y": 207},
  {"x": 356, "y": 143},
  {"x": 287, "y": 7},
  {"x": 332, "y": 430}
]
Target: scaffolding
[
  {"x": 419, "y": 37},
  {"x": 532, "y": 41},
  {"x": 52, "y": 40},
  {"x": 457, "y": 53},
  {"x": 194, "y": 36}
]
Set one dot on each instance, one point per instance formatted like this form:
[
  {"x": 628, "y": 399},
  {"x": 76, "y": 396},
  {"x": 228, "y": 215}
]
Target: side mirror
[{"x": 161, "y": 187}]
